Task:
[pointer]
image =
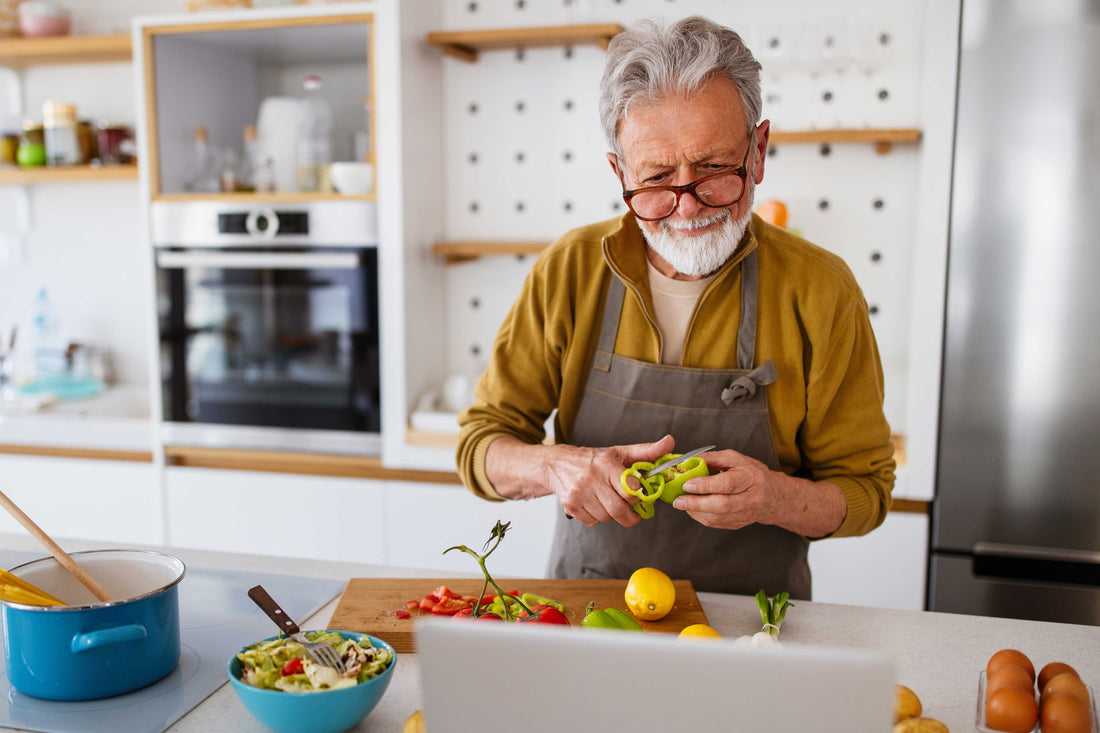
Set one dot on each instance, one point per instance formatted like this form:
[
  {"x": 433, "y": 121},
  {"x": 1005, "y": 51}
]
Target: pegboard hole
[
  {"x": 876, "y": 256},
  {"x": 472, "y": 108},
  {"x": 773, "y": 151},
  {"x": 616, "y": 205},
  {"x": 883, "y": 94},
  {"x": 568, "y": 52},
  {"x": 567, "y": 156},
  {"x": 827, "y": 96},
  {"x": 878, "y": 203},
  {"x": 520, "y": 206},
  {"x": 568, "y": 206},
  {"x": 521, "y": 4},
  {"x": 475, "y": 303},
  {"x": 473, "y": 158},
  {"x": 773, "y": 42},
  {"x": 825, "y": 149},
  {"x": 874, "y": 310},
  {"x": 568, "y": 104},
  {"x": 471, "y": 7},
  {"x": 520, "y": 106},
  {"x": 520, "y": 54},
  {"x": 772, "y": 98},
  {"x": 473, "y": 207},
  {"x": 884, "y": 38},
  {"x": 475, "y": 350},
  {"x": 823, "y": 204},
  {"x": 520, "y": 157}
]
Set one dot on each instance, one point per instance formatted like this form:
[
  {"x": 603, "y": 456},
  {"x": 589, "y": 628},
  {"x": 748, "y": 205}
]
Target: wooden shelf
[
  {"x": 453, "y": 252},
  {"x": 280, "y": 198},
  {"x": 464, "y": 45},
  {"x": 882, "y": 138},
  {"x": 19, "y": 53},
  {"x": 14, "y": 176}
]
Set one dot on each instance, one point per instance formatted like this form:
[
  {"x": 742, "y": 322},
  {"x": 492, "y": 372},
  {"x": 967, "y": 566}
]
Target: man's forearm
[{"x": 809, "y": 508}]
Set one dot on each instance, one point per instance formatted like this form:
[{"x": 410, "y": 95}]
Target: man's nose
[{"x": 688, "y": 206}]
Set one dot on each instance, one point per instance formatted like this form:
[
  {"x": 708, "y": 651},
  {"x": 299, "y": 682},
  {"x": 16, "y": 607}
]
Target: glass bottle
[
  {"x": 314, "y": 137},
  {"x": 246, "y": 172},
  {"x": 62, "y": 141},
  {"x": 205, "y": 178},
  {"x": 32, "y": 148}
]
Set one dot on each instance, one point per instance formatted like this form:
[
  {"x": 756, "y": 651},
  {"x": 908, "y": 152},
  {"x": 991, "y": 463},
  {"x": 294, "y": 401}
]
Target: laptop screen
[{"x": 554, "y": 679}]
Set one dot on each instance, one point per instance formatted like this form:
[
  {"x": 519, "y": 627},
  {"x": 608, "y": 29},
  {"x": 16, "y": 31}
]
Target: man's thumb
[{"x": 650, "y": 451}]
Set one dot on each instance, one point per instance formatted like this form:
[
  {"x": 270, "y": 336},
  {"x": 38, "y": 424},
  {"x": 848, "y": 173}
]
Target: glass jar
[
  {"x": 87, "y": 140},
  {"x": 32, "y": 149},
  {"x": 9, "y": 148},
  {"x": 116, "y": 144},
  {"x": 62, "y": 142}
]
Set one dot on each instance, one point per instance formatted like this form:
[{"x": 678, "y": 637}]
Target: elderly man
[{"x": 687, "y": 321}]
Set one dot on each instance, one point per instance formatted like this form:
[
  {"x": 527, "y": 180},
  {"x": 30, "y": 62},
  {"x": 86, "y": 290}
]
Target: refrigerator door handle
[
  {"x": 1025, "y": 552},
  {"x": 1042, "y": 564}
]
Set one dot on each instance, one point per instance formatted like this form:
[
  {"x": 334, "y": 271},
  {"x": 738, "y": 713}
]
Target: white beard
[{"x": 701, "y": 254}]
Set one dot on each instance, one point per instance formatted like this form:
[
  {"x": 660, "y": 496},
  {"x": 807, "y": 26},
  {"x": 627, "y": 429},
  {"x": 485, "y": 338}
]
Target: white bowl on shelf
[
  {"x": 42, "y": 19},
  {"x": 352, "y": 177}
]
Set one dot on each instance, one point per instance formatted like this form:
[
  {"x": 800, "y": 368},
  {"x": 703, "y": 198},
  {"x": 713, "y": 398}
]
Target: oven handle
[{"x": 259, "y": 260}]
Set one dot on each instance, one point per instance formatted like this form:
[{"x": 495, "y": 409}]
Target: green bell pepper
[
  {"x": 676, "y": 476},
  {"x": 609, "y": 618}
]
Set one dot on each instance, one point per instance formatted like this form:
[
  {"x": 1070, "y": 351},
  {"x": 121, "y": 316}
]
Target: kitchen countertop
[
  {"x": 938, "y": 655},
  {"x": 118, "y": 419}
]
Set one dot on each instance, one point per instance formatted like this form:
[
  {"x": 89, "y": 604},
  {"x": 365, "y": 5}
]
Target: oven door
[{"x": 270, "y": 338}]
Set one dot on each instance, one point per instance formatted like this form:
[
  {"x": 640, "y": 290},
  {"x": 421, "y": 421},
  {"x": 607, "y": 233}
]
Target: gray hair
[{"x": 650, "y": 60}]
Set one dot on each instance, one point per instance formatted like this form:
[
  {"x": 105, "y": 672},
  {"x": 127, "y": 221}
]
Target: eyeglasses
[{"x": 653, "y": 203}]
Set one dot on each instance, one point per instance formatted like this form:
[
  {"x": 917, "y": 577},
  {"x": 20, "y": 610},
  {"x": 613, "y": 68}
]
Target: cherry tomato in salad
[{"x": 293, "y": 666}]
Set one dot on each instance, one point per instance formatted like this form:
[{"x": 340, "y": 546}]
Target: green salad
[{"x": 283, "y": 664}]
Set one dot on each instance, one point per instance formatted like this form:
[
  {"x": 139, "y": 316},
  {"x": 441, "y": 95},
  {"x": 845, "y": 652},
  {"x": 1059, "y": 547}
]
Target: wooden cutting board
[{"x": 367, "y": 604}]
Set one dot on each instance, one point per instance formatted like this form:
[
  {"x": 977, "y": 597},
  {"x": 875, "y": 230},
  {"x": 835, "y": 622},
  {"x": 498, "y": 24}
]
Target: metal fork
[{"x": 321, "y": 652}]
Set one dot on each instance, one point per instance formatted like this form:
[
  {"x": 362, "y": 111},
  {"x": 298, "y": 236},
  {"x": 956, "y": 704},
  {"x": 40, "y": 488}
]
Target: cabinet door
[
  {"x": 885, "y": 568},
  {"x": 288, "y": 515},
  {"x": 425, "y": 519},
  {"x": 111, "y": 501}
]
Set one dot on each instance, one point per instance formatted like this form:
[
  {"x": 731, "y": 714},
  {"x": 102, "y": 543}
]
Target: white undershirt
[{"x": 673, "y": 304}]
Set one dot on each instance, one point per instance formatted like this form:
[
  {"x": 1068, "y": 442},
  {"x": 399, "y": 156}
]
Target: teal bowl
[{"x": 328, "y": 711}]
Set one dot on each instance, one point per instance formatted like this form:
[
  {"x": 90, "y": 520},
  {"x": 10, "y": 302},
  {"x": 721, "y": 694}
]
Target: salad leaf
[{"x": 262, "y": 664}]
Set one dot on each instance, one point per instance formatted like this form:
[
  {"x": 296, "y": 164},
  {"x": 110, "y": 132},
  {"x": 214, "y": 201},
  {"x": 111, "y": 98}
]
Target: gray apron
[{"x": 630, "y": 401}]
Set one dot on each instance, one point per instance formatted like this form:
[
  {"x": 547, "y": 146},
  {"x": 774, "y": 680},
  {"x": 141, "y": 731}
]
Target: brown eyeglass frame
[{"x": 742, "y": 172}]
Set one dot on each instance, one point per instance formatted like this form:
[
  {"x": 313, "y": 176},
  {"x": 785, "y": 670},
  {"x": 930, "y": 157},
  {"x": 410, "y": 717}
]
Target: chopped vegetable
[
  {"x": 666, "y": 485},
  {"x": 609, "y": 618},
  {"x": 283, "y": 664}
]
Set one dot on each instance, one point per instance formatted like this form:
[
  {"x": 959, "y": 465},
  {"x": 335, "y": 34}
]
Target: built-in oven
[{"x": 268, "y": 324}]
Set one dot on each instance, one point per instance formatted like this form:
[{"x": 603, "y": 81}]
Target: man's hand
[
  {"x": 585, "y": 480},
  {"x": 745, "y": 491}
]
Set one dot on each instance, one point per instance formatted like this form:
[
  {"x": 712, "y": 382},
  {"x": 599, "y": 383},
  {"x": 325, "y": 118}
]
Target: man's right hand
[{"x": 585, "y": 480}]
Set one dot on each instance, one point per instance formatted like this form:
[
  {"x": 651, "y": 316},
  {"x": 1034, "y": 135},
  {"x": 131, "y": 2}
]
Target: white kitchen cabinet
[
  {"x": 422, "y": 520},
  {"x": 316, "y": 517},
  {"x": 885, "y": 568},
  {"x": 112, "y": 501}
]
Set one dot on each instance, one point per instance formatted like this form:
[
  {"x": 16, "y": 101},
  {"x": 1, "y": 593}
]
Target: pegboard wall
[{"x": 524, "y": 151}]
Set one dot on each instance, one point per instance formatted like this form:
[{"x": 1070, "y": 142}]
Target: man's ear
[
  {"x": 761, "y": 152},
  {"x": 614, "y": 161}
]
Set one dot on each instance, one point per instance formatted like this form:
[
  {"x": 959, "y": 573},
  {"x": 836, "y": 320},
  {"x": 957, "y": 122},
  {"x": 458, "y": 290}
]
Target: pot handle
[{"x": 116, "y": 635}]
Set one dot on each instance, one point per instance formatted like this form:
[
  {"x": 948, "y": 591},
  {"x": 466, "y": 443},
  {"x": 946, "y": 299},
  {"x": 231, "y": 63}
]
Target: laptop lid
[{"x": 476, "y": 675}]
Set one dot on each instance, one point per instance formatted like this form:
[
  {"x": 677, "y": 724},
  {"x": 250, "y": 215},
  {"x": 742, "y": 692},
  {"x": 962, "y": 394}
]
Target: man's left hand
[{"x": 737, "y": 496}]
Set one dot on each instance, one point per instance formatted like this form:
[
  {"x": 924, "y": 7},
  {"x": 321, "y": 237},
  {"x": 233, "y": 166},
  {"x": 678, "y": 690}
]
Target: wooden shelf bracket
[{"x": 466, "y": 45}]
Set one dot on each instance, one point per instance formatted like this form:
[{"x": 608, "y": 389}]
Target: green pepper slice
[{"x": 649, "y": 489}]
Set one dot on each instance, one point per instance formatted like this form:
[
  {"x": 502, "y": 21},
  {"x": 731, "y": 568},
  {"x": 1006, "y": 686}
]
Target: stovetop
[{"x": 216, "y": 619}]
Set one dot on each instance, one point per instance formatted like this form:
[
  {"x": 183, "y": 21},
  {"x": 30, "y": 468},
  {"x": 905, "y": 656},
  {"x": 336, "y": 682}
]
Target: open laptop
[{"x": 478, "y": 676}]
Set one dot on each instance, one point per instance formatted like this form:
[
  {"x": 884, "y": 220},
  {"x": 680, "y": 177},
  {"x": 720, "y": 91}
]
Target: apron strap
[
  {"x": 609, "y": 328},
  {"x": 745, "y": 386},
  {"x": 746, "y": 329}
]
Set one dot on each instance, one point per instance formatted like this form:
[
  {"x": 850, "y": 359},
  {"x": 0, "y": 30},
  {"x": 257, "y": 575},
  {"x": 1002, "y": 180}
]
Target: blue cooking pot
[{"x": 91, "y": 649}]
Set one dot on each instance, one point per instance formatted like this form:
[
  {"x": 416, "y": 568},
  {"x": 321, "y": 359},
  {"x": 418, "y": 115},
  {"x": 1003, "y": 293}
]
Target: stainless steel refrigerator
[{"x": 1016, "y": 518}]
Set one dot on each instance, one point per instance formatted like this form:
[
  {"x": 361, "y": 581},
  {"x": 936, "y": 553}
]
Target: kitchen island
[{"x": 938, "y": 655}]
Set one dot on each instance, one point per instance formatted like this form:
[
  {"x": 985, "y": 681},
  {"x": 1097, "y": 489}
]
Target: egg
[
  {"x": 1010, "y": 656},
  {"x": 1009, "y": 675},
  {"x": 1052, "y": 669},
  {"x": 1067, "y": 684},
  {"x": 1012, "y": 709},
  {"x": 1063, "y": 713}
]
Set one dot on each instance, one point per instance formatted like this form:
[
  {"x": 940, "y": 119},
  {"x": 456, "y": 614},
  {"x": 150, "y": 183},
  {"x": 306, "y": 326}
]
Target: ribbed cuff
[
  {"x": 862, "y": 514},
  {"x": 481, "y": 477}
]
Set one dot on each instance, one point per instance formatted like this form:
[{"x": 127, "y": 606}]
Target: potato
[
  {"x": 906, "y": 704},
  {"x": 920, "y": 725}
]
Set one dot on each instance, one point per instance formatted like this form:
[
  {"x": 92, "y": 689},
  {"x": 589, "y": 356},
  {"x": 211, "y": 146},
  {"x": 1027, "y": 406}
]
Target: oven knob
[{"x": 262, "y": 223}]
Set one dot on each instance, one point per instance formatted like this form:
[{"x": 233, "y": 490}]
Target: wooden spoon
[{"x": 60, "y": 555}]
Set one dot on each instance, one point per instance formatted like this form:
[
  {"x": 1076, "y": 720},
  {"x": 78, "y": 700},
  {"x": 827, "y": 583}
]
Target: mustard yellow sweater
[{"x": 826, "y": 406}]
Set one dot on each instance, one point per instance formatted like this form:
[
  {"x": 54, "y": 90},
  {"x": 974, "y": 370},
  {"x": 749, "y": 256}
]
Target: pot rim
[{"x": 100, "y": 604}]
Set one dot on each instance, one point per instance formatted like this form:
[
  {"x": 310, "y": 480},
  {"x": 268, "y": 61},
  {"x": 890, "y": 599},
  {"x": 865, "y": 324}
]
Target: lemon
[
  {"x": 650, "y": 594},
  {"x": 700, "y": 631}
]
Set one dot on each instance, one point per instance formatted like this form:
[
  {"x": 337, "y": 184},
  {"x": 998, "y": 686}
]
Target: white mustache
[{"x": 698, "y": 223}]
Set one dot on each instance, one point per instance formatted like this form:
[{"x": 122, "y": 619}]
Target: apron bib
[{"x": 631, "y": 401}]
